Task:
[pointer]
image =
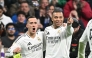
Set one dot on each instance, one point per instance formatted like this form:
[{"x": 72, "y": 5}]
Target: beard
[{"x": 10, "y": 35}]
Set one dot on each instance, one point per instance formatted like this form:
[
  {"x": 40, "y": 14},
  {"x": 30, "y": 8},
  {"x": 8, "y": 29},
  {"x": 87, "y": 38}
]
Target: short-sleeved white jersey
[
  {"x": 86, "y": 36},
  {"x": 30, "y": 47},
  {"x": 56, "y": 41}
]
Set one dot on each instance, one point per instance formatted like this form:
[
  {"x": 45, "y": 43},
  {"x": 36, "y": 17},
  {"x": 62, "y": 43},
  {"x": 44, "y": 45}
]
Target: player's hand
[
  {"x": 17, "y": 50},
  {"x": 69, "y": 20},
  {"x": 64, "y": 24}
]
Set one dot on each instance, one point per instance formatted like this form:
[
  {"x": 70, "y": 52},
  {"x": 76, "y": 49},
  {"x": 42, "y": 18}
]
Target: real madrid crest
[
  {"x": 58, "y": 31},
  {"x": 38, "y": 39}
]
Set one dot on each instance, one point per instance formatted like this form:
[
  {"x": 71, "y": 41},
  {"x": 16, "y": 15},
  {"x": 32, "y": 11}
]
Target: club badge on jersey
[{"x": 38, "y": 39}]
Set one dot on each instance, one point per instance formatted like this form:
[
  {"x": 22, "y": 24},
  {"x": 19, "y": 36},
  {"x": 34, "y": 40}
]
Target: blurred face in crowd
[
  {"x": 32, "y": 25},
  {"x": 57, "y": 18},
  {"x": 25, "y": 7},
  {"x": 54, "y": 1},
  {"x": 51, "y": 9},
  {"x": 11, "y": 30},
  {"x": 44, "y": 3},
  {"x": 21, "y": 18},
  {"x": 1, "y": 12}
]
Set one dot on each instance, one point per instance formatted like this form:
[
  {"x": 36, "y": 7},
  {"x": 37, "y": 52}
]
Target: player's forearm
[{"x": 69, "y": 30}]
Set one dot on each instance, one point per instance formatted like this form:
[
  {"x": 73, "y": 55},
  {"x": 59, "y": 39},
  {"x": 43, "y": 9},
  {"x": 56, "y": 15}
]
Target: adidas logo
[{"x": 29, "y": 43}]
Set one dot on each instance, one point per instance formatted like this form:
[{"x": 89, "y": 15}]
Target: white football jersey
[
  {"x": 30, "y": 47},
  {"x": 87, "y": 36},
  {"x": 57, "y": 41}
]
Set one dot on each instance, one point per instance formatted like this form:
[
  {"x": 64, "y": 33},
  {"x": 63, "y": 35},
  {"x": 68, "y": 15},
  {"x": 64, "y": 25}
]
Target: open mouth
[{"x": 33, "y": 28}]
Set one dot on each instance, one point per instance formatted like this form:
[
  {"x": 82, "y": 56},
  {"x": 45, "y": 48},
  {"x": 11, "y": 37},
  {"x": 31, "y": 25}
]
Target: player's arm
[
  {"x": 16, "y": 46},
  {"x": 83, "y": 41},
  {"x": 69, "y": 29},
  {"x": 82, "y": 45}
]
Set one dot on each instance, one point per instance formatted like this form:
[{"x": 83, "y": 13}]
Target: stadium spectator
[
  {"x": 75, "y": 40},
  {"x": 3, "y": 18},
  {"x": 24, "y": 6},
  {"x": 10, "y": 37},
  {"x": 79, "y": 9},
  {"x": 21, "y": 23}
]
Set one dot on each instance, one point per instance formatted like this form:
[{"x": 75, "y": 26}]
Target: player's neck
[
  {"x": 55, "y": 27},
  {"x": 31, "y": 35}
]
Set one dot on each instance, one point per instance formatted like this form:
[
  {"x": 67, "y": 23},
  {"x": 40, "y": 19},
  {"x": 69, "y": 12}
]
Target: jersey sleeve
[
  {"x": 82, "y": 45},
  {"x": 69, "y": 30}
]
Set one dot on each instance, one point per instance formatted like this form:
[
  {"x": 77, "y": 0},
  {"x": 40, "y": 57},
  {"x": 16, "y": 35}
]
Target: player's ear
[{"x": 27, "y": 25}]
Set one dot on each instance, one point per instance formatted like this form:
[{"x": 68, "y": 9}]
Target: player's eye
[
  {"x": 60, "y": 17},
  {"x": 35, "y": 22},
  {"x": 31, "y": 22},
  {"x": 55, "y": 17}
]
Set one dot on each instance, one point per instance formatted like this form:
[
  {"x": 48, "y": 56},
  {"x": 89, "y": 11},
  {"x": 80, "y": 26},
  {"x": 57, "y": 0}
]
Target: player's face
[
  {"x": 57, "y": 18},
  {"x": 32, "y": 25}
]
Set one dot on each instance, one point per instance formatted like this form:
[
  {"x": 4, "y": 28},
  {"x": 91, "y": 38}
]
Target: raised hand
[{"x": 69, "y": 20}]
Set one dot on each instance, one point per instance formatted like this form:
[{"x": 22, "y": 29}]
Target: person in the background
[
  {"x": 59, "y": 3},
  {"x": 3, "y": 18},
  {"x": 75, "y": 39},
  {"x": 79, "y": 9},
  {"x": 10, "y": 37},
  {"x": 21, "y": 24},
  {"x": 46, "y": 19},
  {"x": 2, "y": 30},
  {"x": 25, "y": 7},
  {"x": 90, "y": 2}
]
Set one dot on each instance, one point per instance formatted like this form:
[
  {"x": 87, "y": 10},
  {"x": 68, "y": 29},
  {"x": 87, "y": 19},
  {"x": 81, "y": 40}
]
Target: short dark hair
[
  {"x": 21, "y": 12},
  {"x": 9, "y": 24},
  {"x": 48, "y": 7},
  {"x": 24, "y": 2},
  {"x": 58, "y": 9},
  {"x": 1, "y": 7},
  {"x": 31, "y": 17},
  {"x": 40, "y": 1}
]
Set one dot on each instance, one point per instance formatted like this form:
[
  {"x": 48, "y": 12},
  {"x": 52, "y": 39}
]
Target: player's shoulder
[
  {"x": 21, "y": 37},
  {"x": 89, "y": 23},
  {"x": 40, "y": 33},
  {"x": 49, "y": 27}
]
